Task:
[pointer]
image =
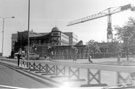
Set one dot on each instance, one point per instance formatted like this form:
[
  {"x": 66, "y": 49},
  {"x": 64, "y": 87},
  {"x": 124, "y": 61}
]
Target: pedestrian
[
  {"x": 75, "y": 52},
  {"x": 19, "y": 56},
  {"x": 89, "y": 58},
  {"x": 45, "y": 57},
  {"x": 50, "y": 53},
  {"x": 23, "y": 56},
  {"x": 118, "y": 58}
]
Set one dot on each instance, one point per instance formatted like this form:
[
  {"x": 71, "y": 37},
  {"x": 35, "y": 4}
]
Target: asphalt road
[{"x": 10, "y": 77}]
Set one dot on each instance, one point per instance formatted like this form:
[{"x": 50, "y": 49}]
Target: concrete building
[
  {"x": 73, "y": 38},
  {"x": 53, "y": 38}
]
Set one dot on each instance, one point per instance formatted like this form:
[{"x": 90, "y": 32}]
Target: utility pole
[{"x": 28, "y": 29}]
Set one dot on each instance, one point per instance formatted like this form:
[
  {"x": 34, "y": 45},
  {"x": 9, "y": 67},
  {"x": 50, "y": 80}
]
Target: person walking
[
  {"x": 19, "y": 56},
  {"x": 89, "y": 58},
  {"x": 75, "y": 52}
]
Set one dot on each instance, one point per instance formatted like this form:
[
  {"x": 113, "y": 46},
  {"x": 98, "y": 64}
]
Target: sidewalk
[
  {"x": 103, "y": 61},
  {"x": 11, "y": 62}
]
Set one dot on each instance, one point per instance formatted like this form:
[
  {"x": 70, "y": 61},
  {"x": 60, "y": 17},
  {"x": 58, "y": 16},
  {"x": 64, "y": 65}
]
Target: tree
[
  {"x": 92, "y": 47},
  {"x": 117, "y": 49},
  {"x": 126, "y": 34}
]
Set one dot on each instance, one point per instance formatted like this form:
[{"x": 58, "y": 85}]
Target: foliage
[
  {"x": 117, "y": 47},
  {"x": 92, "y": 46},
  {"x": 126, "y": 34}
]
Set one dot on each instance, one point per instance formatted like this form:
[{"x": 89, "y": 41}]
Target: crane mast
[
  {"x": 108, "y": 12},
  {"x": 109, "y": 28}
]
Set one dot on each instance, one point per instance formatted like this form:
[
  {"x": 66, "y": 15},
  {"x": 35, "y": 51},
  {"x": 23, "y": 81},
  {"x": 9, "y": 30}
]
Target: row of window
[
  {"x": 64, "y": 42},
  {"x": 64, "y": 36},
  {"x": 55, "y": 34}
]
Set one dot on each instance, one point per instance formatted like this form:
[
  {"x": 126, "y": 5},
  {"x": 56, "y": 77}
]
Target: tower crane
[{"x": 108, "y": 12}]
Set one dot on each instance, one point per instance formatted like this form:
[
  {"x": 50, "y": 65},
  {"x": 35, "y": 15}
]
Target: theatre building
[{"x": 53, "y": 38}]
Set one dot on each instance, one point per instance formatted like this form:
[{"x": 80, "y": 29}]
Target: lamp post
[
  {"x": 3, "y": 28},
  {"x": 28, "y": 29}
]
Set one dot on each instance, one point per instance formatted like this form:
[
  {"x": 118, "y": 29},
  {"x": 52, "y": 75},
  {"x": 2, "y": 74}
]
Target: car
[{"x": 33, "y": 56}]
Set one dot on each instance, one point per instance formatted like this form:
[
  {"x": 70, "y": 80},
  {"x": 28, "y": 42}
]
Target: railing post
[
  {"x": 94, "y": 76},
  {"x": 75, "y": 73}
]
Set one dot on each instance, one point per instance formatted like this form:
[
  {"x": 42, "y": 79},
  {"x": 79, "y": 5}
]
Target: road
[{"x": 11, "y": 77}]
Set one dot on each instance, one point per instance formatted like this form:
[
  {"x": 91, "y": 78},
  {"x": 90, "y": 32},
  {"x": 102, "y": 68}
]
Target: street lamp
[
  {"x": 3, "y": 18},
  {"x": 28, "y": 32}
]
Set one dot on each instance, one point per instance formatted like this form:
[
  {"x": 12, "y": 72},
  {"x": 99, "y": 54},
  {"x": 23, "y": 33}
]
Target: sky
[{"x": 46, "y": 14}]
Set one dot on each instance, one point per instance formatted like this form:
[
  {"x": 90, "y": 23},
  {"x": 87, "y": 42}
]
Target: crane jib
[{"x": 102, "y": 14}]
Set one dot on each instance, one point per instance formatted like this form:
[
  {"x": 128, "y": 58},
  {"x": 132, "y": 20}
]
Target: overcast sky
[{"x": 45, "y": 14}]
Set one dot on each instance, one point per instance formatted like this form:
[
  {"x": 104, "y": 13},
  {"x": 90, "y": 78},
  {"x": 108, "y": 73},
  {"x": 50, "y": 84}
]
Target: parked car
[{"x": 33, "y": 56}]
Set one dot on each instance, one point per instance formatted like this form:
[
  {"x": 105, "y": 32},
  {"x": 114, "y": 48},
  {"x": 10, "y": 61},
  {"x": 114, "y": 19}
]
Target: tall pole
[
  {"x": 28, "y": 28},
  {"x": 109, "y": 28},
  {"x": 2, "y": 36}
]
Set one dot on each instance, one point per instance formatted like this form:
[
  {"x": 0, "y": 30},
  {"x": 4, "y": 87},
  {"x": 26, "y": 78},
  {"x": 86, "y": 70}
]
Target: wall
[{"x": 66, "y": 52}]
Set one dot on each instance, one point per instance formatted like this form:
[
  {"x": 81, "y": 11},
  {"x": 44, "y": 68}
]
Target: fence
[{"x": 66, "y": 52}]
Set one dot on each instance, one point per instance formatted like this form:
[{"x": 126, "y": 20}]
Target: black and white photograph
[{"x": 67, "y": 44}]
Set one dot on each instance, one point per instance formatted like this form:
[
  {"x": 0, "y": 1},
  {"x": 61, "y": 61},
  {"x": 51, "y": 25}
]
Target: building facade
[
  {"x": 53, "y": 38},
  {"x": 73, "y": 38},
  {"x": 13, "y": 40}
]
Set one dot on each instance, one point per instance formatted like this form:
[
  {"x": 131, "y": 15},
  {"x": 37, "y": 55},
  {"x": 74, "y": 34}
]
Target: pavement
[{"x": 106, "y": 61}]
